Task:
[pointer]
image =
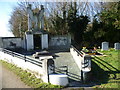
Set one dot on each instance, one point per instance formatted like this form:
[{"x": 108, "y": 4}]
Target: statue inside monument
[{"x": 35, "y": 18}]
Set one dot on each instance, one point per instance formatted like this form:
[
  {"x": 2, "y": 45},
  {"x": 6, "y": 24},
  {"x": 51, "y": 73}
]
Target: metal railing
[
  {"x": 64, "y": 70},
  {"x": 85, "y": 62},
  {"x": 81, "y": 53},
  {"x": 23, "y": 57},
  {"x": 78, "y": 52}
]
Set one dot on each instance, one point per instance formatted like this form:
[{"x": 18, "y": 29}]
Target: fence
[
  {"x": 64, "y": 70},
  {"x": 23, "y": 57},
  {"x": 82, "y": 60},
  {"x": 32, "y": 65}
]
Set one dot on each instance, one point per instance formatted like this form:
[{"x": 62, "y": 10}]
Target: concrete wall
[
  {"x": 1, "y": 42},
  {"x": 80, "y": 60},
  {"x": 84, "y": 63},
  {"x": 10, "y": 42},
  {"x": 77, "y": 58},
  {"x": 24, "y": 43},
  {"x": 1, "y": 77},
  {"x": 39, "y": 71},
  {"x": 60, "y": 42}
]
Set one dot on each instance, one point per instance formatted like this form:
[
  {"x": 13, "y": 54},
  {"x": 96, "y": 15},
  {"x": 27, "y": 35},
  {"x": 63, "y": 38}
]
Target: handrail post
[
  {"x": 12, "y": 53},
  {"x": 67, "y": 70},
  {"x": 25, "y": 58}
]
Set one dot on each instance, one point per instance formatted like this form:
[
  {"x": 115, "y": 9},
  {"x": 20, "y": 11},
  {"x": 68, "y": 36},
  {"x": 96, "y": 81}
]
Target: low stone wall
[
  {"x": 1, "y": 76},
  {"x": 60, "y": 42},
  {"x": 10, "y": 42},
  {"x": 40, "y": 72},
  {"x": 83, "y": 61},
  {"x": 76, "y": 57}
]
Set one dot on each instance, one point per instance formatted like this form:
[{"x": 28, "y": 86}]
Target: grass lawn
[
  {"x": 28, "y": 78},
  {"x": 106, "y": 69},
  {"x": 105, "y": 72}
]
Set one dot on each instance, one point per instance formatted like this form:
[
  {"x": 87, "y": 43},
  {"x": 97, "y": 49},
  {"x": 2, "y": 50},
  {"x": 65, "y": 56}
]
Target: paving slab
[
  {"x": 10, "y": 80},
  {"x": 64, "y": 58}
]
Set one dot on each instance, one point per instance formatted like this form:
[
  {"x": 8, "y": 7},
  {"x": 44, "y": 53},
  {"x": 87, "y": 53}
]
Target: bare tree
[{"x": 56, "y": 14}]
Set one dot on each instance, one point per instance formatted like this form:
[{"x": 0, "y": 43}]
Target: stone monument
[
  {"x": 117, "y": 46},
  {"x": 35, "y": 18},
  {"x": 105, "y": 45},
  {"x": 36, "y": 36}
]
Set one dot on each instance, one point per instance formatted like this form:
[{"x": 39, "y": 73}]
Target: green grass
[
  {"x": 106, "y": 69},
  {"x": 28, "y": 78},
  {"x": 105, "y": 72}
]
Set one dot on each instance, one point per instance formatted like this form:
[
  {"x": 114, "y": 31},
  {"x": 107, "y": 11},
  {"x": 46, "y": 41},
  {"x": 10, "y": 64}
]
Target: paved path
[
  {"x": 9, "y": 80},
  {"x": 66, "y": 59}
]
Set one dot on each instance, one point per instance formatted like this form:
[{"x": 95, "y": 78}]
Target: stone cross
[
  {"x": 117, "y": 46},
  {"x": 105, "y": 45},
  {"x": 35, "y": 18}
]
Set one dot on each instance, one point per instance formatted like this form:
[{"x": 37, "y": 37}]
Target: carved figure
[{"x": 35, "y": 19}]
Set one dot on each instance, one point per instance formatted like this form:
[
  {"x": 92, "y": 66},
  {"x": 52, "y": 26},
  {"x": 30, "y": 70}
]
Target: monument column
[
  {"x": 44, "y": 41},
  {"x": 41, "y": 17},
  {"x": 29, "y": 41},
  {"x": 30, "y": 17}
]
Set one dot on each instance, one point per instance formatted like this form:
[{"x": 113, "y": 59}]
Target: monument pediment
[
  {"x": 40, "y": 32},
  {"x": 37, "y": 32}
]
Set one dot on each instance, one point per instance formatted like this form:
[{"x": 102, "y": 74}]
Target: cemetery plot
[
  {"x": 91, "y": 51},
  {"x": 105, "y": 70}
]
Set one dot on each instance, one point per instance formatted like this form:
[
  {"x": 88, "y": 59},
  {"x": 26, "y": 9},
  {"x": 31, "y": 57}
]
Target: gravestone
[
  {"x": 117, "y": 46},
  {"x": 105, "y": 45}
]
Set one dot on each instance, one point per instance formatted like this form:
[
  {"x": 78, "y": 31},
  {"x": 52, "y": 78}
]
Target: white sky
[{"x": 5, "y": 11}]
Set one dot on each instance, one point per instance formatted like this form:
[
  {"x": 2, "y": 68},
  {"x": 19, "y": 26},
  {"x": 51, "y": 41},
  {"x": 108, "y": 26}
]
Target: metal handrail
[{"x": 79, "y": 52}]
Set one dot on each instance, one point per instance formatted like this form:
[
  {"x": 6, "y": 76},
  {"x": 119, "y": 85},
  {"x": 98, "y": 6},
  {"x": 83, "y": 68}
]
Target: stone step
[{"x": 66, "y": 59}]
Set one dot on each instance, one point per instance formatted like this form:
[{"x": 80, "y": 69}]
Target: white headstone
[
  {"x": 105, "y": 45},
  {"x": 117, "y": 46}
]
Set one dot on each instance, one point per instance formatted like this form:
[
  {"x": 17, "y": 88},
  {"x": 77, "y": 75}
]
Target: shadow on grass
[
  {"x": 111, "y": 69},
  {"x": 100, "y": 75}
]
